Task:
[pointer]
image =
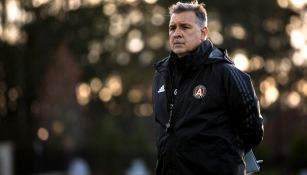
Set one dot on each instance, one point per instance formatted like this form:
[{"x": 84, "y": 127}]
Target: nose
[{"x": 177, "y": 33}]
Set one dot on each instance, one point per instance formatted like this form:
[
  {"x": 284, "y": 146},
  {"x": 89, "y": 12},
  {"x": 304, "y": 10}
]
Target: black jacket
[{"x": 206, "y": 114}]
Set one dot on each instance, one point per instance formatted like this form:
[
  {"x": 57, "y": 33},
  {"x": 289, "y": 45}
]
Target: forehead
[{"x": 187, "y": 17}]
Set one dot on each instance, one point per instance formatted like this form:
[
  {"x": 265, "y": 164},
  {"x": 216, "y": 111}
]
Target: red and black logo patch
[{"x": 199, "y": 91}]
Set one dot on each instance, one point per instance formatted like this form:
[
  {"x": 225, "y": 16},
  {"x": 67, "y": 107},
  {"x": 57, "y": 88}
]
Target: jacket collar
[{"x": 205, "y": 54}]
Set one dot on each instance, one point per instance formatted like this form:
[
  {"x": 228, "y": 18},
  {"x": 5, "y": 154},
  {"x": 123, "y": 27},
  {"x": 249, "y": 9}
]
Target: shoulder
[
  {"x": 229, "y": 71},
  {"x": 162, "y": 64}
]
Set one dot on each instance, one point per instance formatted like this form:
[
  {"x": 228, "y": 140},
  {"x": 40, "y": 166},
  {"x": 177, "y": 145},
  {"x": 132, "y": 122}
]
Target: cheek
[{"x": 170, "y": 38}]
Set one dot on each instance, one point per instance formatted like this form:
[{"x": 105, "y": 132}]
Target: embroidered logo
[
  {"x": 199, "y": 91},
  {"x": 162, "y": 89}
]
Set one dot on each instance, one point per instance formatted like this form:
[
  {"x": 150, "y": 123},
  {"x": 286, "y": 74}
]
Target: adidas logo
[{"x": 162, "y": 89}]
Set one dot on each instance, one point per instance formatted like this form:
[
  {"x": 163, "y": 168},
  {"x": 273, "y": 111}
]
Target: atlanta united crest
[{"x": 199, "y": 91}]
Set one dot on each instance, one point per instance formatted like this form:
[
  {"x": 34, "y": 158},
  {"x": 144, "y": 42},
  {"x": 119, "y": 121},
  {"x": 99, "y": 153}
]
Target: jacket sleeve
[{"x": 244, "y": 107}]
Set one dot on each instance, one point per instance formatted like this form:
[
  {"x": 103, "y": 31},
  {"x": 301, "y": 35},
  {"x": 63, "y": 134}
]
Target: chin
[{"x": 179, "y": 51}]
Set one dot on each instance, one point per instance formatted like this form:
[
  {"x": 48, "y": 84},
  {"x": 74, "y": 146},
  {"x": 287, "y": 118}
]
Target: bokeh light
[
  {"x": 256, "y": 63},
  {"x": 135, "y": 17},
  {"x": 74, "y": 4},
  {"x": 297, "y": 39},
  {"x": 123, "y": 58},
  {"x": 13, "y": 94},
  {"x": 95, "y": 84},
  {"x": 150, "y": 1},
  {"x": 298, "y": 3},
  {"x": 37, "y": 3},
  {"x": 269, "y": 92},
  {"x": 134, "y": 41},
  {"x": 293, "y": 99},
  {"x": 283, "y": 3},
  {"x": 43, "y": 134},
  {"x": 241, "y": 61},
  {"x": 58, "y": 127},
  {"x": 135, "y": 95},
  {"x": 237, "y": 31},
  {"x": 114, "y": 84},
  {"x": 146, "y": 58},
  {"x": 113, "y": 44},
  {"x": 301, "y": 86},
  {"x": 95, "y": 49},
  {"x": 156, "y": 41},
  {"x": 13, "y": 10},
  {"x": 105, "y": 94},
  {"x": 216, "y": 37},
  {"x": 143, "y": 110},
  {"x": 83, "y": 92},
  {"x": 109, "y": 9}
]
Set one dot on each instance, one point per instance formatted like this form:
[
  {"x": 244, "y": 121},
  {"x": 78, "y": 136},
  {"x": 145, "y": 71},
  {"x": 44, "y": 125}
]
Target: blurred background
[{"x": 75, "y": 81}]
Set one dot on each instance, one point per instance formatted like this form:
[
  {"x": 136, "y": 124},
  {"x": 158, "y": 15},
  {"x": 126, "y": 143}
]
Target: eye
[
  {"x": 172, "y": 28},
  {"x": 185, "y": 27}
]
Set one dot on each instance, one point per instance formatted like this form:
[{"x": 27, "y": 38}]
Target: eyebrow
[{"x": 180, "y": 24}]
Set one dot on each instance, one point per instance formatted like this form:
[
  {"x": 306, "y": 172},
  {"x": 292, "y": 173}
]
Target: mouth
[{"x": 178, "y": 43}]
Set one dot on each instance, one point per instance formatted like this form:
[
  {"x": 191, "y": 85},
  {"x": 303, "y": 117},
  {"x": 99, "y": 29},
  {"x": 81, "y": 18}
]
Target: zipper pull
[
  {"x": 168, "y": 125},
  {"x": 171, "y": 109}
]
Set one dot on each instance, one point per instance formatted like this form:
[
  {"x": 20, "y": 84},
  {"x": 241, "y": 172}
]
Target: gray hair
[{"x": 194, "y": 6}]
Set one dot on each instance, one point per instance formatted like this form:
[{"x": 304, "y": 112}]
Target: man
[{"x": 206, "y": 112}]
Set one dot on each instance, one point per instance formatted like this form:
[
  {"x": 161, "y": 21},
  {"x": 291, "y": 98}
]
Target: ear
[{"x": 204, "y": 33}]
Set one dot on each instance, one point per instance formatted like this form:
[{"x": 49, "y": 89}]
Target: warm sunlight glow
[
  {"x": 301, "y": 86},
  {"x": 109, "y": 9},
  {"x": 135, "y": 95},
  {"x": 237, "y": 31},
  {"x": 135, "y": 17},
  {"x": 119, "y": 25},
  {"x": 74, "y": 4},
  {"x": 95, "y": 84},
  {"x": 135, "y": 43},
  {"x": 105, "y": 94},
  {"x": 157, "y": 19},
  {"x": 92, "y": 2},
  {"x": 304, "y": 52},
  {"x": 13, "y": 35},
  {"x": 297, "y": 58},
  {"x": 216, "y": 37},
  {"x": 297, "y": 39},
  {"x": 83, "y": 93},
  {"x": 37, "y": 3},
  {"x": 241, "y": 61},
  {"x": 283, "y": 3},
  {"x": 156, "y": 41},
  {"x": 270, "y": 65},
  {"x": 123, "y": 58},
  {"x": 269, "y": 92},
  {"x": 256, "y": 63},
  {"x": 143, "y": 110},
  {"x": 293, "y": 99},
  {"x": 114, "y": 84},
  {"x": 298, "y": 3},
  {"x": 151, "y": 1},
  {"x": 95, "y": 49},
  {"x": 13, "y": 11},
  {"x": 43, "y": 134}
]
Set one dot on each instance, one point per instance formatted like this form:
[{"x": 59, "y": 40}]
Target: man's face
[{"x": 185, "y": 34}]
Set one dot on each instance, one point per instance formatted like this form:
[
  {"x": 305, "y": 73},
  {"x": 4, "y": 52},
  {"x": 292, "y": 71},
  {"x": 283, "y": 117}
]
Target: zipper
[
  {"x": 171, "y": 106},
  {"x": 171, "y": 113}
]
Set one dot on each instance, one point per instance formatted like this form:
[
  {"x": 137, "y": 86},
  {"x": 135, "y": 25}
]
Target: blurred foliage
[{"x": 51, "y": 55}]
